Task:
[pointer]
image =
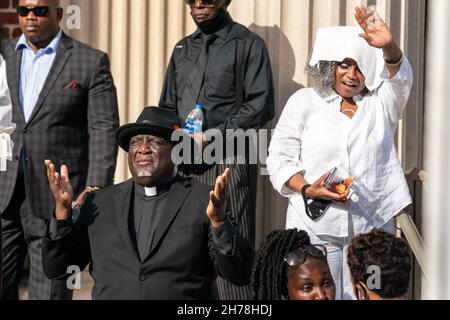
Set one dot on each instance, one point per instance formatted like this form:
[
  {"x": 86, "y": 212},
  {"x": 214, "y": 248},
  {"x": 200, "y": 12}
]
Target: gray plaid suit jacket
[{"x": 68, "y": 126}]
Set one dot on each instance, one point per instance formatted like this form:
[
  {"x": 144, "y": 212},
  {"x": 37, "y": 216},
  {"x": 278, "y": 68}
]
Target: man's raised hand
[
  {"x": 61, "y": 188},
  {"x": 218, "y": 200}
]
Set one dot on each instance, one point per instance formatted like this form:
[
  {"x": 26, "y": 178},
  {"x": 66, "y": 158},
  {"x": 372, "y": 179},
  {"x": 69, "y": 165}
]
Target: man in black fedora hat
[{"x": 155, "y": 236}]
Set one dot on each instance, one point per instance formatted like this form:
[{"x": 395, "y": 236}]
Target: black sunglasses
[
  {"x": 206, "y": 3},
  {"x": 40, "y": 11},
  {"x": 298, "y": 257}
]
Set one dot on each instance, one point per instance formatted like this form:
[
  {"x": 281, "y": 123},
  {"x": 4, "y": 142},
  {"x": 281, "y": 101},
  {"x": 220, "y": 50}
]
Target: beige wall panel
[
  {"x": 138, "y": 77},
  {"x": 296, "y": 44},
  {"x": 101, "y": 33},
  {"x": 325, "y": 13},
  {"x": 348, "y": 18},
  {"x": 243, "y": 11},
  {"x": 174, "y": 17},
  {"x": 120, "y": 66},
  {"x": 155, "y": 40}
]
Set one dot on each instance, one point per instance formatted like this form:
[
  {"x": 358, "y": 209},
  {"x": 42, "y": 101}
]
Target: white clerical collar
[{"x": 150, "y": 192}]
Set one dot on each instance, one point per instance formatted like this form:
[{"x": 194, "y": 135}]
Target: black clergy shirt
[{"x": 147, "y": 212}]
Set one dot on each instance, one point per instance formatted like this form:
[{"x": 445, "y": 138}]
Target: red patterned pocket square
[{"x": 73, "y": 85}]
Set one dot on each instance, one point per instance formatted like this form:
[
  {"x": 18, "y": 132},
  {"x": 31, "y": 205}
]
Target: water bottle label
[{"x": 193, "y": 126}]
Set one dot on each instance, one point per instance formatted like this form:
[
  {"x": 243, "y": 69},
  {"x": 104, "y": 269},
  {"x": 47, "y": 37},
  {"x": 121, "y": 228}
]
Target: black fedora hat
[{"x": 154, "y": 121}]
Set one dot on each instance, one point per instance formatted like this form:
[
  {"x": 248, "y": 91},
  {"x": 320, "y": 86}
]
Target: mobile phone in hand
[{"x": 329, "y": 181}]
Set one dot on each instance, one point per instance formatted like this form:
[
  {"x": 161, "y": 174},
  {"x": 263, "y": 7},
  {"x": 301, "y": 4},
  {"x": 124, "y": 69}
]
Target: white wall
[{"x": 437, "y": 142}]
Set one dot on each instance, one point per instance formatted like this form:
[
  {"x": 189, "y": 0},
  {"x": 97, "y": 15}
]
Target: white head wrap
[{"x": 339, "y": 43}]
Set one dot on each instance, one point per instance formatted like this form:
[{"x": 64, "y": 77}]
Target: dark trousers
[
  {"x": 21, "y": 234},
  {"x": 242, "y": 199}
]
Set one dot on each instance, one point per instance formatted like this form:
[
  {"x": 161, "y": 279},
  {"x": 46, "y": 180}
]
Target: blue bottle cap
[{"x": 199, "y": 106}]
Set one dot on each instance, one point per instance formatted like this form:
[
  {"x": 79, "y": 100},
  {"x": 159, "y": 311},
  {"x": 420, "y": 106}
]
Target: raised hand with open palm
[
  {"x": 61, "y": 188},
  {"x": 378, "y": 35}
]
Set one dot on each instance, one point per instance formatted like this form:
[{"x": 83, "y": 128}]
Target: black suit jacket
[
  {"x": 183, "y": 262},
  {"x": 72, "y": 126}
]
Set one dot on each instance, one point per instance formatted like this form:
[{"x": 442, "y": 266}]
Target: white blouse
[
  {"x": 6, "y": 124},
  {"x": 313, "y": 136}
]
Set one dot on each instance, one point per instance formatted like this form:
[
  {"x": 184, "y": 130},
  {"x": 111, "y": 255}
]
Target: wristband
[{"x": 303, "y": 191}]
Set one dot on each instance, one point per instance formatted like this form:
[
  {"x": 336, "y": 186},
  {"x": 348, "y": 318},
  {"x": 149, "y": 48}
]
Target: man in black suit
[
  {"x": 65, "y": 108},
  {"x": 156, "y": 236}
]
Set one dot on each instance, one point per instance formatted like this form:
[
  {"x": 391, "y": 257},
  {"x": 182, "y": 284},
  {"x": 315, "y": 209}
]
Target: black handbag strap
[{"x": 316, "y": 208}]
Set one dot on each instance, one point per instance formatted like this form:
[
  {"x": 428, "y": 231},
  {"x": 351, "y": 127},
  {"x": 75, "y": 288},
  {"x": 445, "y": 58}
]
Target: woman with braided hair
[{"x": 288, "y": 266}]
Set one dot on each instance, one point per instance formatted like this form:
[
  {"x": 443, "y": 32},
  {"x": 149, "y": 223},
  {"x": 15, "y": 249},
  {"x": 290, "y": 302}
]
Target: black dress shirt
[{"x": 218, "y": 93}]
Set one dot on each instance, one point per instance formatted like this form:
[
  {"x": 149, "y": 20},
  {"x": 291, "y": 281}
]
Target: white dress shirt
[
  {"x": 313, "y": 136},
  {"x": 6, "y": 124}
]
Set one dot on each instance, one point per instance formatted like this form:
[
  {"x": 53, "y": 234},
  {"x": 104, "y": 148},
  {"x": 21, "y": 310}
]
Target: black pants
[
  {"x": 242, "y": 199},
  {"x": 21, "y": 234}
]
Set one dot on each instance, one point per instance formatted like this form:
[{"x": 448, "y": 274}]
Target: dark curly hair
[
  {"x": 268, "y": 280},
  {"x": 391, "y": 254}
]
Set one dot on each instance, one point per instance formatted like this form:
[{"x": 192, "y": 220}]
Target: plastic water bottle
[{"x": 194, "y": 120}]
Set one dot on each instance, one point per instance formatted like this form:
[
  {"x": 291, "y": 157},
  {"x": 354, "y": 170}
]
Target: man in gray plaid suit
[{"x": 65, "y": 107}]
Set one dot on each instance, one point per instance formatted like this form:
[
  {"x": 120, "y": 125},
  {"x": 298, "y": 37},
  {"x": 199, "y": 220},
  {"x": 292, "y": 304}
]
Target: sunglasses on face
[
  {"x": 298, "y": 257},
  {"x": 40, "y": 11},
  {"x": 205, "y": 3}
]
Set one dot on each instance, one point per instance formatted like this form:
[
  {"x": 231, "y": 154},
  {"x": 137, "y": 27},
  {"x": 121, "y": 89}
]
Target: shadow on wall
[
  {"x": 271, "y": 207},
  {"x": 283, "y": 64}
]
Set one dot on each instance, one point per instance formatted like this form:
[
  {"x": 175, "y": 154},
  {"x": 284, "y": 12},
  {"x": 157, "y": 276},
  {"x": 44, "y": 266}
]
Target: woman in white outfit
[{"x": 347, "y": 120}]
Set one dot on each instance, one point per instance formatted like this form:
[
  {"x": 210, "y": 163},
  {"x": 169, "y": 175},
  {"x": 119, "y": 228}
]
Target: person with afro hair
[
  {"x": 379, "y": 251},
  {"x": 288, "y": 267}
]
